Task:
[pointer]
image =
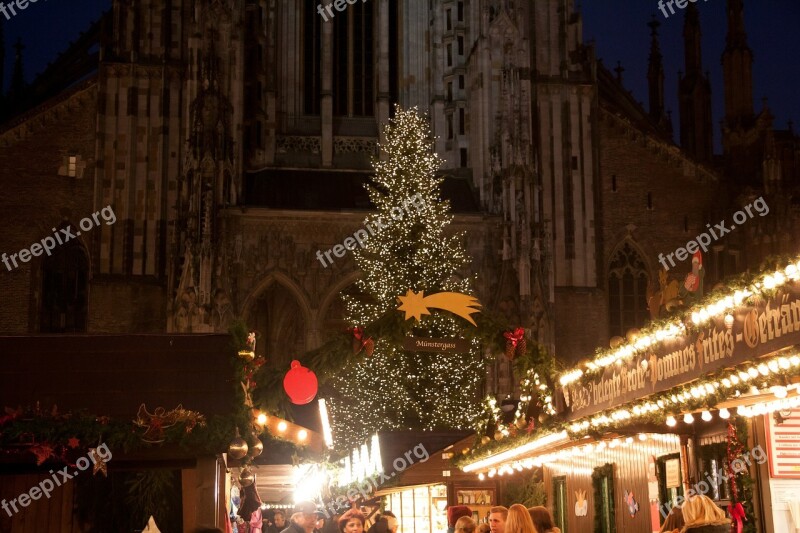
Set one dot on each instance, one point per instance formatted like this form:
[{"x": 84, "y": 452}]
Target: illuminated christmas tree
[{"x": 409, "y": 249}]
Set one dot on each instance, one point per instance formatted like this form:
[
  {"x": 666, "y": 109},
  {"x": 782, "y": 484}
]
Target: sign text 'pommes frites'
[{"x": 757, "y": 330}]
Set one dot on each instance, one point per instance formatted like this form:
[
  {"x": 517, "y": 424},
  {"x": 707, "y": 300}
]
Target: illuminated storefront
[
  {"x": 420, "y": 509},
  {"x": 685, "y": 407}
]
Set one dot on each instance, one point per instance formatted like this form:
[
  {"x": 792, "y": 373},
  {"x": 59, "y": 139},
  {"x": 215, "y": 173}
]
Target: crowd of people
[
  {"x": 514, "y": 519},
  {"x": 698, "y": 514}
]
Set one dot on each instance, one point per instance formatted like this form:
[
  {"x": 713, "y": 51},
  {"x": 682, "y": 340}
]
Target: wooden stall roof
[
  {"x": 396, "y": 444},
  {"x": 111, "y": 375},
  {"x": 439, "y": 461}
]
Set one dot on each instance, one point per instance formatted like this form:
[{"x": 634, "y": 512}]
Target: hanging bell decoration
[
  {"x": 237, "y": 447},
  {"x": 257, "y": 448},
  {"x": 247, "y": 477}
]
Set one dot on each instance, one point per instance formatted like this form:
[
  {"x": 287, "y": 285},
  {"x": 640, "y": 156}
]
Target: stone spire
[
  {"x": 737, "y": 60},
  {"x": 694, "y": 94}
]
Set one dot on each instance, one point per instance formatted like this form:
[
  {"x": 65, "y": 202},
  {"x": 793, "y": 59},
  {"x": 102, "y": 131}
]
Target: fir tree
[{"x": 410, "y": 249}]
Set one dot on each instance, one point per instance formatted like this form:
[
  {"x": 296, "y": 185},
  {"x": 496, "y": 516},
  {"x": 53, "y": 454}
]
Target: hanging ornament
[
  {"x": 361, "y": 343},
  {"x": 249, "y": 353},
  {"x": 247, "y": 477},
  {"x": 156, "y": 422},
  {"x": 581, "y": 503},
  {"x": 633, "y": 505},
  {"x": 257, "y": 448},
  {"x": 99, "y": 463},
  {"x": 498, "y": 435},
  {"x": 300, "y": 384},
  {"x": 73, "y": 443},
  {"x": 237, "y": 447},
  {"x": 516, "y": 345}
]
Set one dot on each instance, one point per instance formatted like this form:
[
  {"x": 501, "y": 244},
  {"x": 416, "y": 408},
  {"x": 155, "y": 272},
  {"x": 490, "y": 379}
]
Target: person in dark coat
[
  {"x": 304, "y": 518},
  {"x": 381, "y": 525}
]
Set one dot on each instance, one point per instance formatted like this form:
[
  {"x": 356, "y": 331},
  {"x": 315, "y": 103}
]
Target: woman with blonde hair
[
  {"x": 519, "y": 520},
  {"x": 701, "y": 515},
  {"x": 542, "y": 520},
  {"x": 465, "y": 524}
]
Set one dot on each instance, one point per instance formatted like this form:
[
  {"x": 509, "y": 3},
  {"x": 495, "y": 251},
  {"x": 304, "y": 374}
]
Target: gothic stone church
[{"x": 233, "y": 137}]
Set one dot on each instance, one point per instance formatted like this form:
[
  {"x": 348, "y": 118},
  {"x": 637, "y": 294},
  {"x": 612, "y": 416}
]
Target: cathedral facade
[{"x": 233, "y": 139}]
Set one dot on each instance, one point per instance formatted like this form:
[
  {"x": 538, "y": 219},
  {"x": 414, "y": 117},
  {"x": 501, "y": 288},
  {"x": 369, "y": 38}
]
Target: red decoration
[
  {"x": 10, "y": 416},
  {"x": 300, "y": 384},
  {"x": 42, "y": 452},
  {"x": 737, "y": 516},
  {"x": 73, "y": 443},
  {"x": 359, "y": 342},
  {"x": 515, "y": 343},
  {"x": 734, "y": 452}
]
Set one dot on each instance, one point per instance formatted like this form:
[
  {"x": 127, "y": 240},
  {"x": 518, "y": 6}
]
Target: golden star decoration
[
  {"x": 416, "y": 304},
  {"x": 99, "y": 463}
]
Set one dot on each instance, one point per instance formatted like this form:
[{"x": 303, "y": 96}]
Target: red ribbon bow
[
  {"x": 737, "y": 515},
  {"x": 360, "y": 343},
  {"x": 515, "y": 342}
]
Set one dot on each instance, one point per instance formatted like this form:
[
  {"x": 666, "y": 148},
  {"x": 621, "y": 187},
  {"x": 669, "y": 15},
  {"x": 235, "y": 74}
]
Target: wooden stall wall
[
  {"x": 51, "y": 515},
  {"x": 630, "y": 474}
]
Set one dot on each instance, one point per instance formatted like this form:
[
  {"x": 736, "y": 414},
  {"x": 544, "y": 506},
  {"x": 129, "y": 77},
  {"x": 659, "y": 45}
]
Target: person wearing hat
[
  {"x": 304, "y": 518},
  {"x": 454, "y": 512}
]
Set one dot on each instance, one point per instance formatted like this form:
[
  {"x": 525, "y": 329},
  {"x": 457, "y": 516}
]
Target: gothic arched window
[
  {"x": 627, "y": 290},
  {"x": 65, "y": 294},
  {"x": 312, "y": 58}
]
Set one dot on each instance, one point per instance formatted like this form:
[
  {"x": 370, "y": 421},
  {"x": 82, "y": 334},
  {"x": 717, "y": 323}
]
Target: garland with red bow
[
  {"x": 516, "y": 345},
  {"x": 734, "y": 452},
  {"x": 362, "y": 343}
]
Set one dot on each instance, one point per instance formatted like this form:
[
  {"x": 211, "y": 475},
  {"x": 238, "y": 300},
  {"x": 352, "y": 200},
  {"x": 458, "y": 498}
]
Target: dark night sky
[
  {"x": 618, "y": 26},
  {"x": 620, "y": 30}
]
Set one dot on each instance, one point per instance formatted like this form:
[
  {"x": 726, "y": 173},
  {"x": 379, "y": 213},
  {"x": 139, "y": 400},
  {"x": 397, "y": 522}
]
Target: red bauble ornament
[{"x": 300, "y": 384}]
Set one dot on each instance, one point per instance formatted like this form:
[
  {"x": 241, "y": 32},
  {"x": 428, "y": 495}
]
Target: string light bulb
[
  {"x": 706, "y": 416},
  {"x": 724, "y": 414},
  {"x": 688, "y": 418},
  {"x": 671, "y": 422}
]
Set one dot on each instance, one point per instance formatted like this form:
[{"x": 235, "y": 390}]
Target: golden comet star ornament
[{"x": 416, "y": 304}]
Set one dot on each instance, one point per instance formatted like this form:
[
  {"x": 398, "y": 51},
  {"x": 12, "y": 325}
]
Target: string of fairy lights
[
  {"x": 391, "y": 388},
  {"x": 579, "y": 458},
  {"x": 699, "y": 316},
  {"x": 744, "y": 382},
  {"x": 688, "y": 399},
  {"x": 530, "y": 385}
]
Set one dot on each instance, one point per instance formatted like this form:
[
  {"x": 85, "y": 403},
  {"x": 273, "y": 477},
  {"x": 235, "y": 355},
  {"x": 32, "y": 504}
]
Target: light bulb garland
[
  {"x": 665, "y": 407},
  {"x": 696, "y": 317}
]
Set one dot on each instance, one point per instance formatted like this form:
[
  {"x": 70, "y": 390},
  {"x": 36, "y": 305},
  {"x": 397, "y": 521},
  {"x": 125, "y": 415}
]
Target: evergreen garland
[{"x": 600, "y": 472}]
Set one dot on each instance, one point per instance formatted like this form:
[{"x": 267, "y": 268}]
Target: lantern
[{"x": 300, "y": 384}]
